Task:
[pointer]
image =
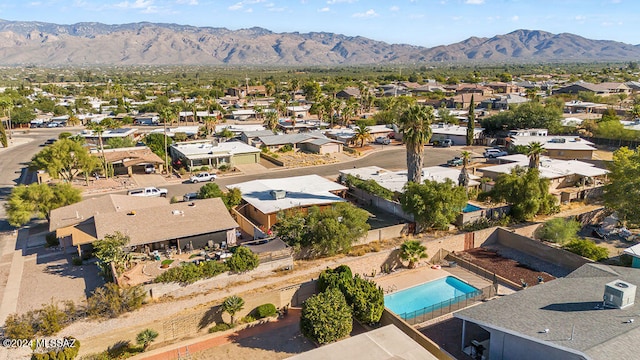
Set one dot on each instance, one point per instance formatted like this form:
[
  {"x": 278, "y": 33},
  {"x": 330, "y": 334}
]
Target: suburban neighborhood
[{"x": 489, "y": 216}]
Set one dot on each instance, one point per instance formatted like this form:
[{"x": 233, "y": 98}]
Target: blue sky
[{"x": 416, "y": 22}]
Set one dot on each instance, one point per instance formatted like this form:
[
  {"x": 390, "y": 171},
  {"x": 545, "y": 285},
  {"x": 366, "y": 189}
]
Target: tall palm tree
[
  {"x": 415, "y": 123},
  {"x": 271, "y": 120},
  {"x": 534, "y": 150},
  {"x": 99, "y": 129},
  {"x": 362, "y": 134},
  {"x": 232, "y": 305},
  {"x": 463, "y": 178}
]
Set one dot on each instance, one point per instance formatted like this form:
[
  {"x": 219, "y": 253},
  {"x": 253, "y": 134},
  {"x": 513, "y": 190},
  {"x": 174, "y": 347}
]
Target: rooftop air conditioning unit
[
  {"x": 619, "y": 294},
  {"x": 278, "y": 194}
]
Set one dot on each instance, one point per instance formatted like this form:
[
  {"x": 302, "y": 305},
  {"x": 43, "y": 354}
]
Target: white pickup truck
[
  {"x": 202, "y": 177},
  {"x": 148, "y": 191}
]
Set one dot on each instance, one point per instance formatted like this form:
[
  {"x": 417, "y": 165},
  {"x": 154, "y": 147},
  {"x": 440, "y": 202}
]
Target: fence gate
[{"x": 469, "y": 240}]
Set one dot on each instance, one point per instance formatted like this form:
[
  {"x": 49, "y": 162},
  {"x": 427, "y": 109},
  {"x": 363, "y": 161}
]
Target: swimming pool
[
  {"x": 429, "y": 296},
  {"x": 470, "y": 208}
]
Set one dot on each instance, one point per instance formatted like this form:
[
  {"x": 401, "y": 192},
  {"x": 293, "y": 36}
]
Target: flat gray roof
[
  {"x": 301, "y": 191},
  {"x": 385, "y": 343},
  {"x": 564, "y": 306}
]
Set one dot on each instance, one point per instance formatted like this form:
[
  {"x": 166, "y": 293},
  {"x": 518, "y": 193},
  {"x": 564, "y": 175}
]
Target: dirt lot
[{"x": 504, "y": 267}]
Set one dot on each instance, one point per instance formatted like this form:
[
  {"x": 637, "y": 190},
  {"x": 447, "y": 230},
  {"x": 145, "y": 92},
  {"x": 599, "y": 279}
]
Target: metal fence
[
  {"x": 489, "y": 275},
  {"x": 447, "y": 306}
]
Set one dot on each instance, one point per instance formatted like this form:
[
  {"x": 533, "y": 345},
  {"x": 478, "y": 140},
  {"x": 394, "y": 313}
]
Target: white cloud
[
  {"x": 277, "y": 9},
  {"x": 367, "y": 14},
  {"x": 394, "y": 8},
  {"x": 138, "y": 4},
  {"x": 331, "y": 2},
  {"x": 580, "y": 18},
  {"x": 416, "y": 16},
  {"x": 249, "y": 10},
  {"x": 187, "y": 2},
  {"x": 474, "y": 2},
  {"x": 236, "y": 6},
  {"x": 515, "y": 18},
  {"x": 324, "y": 9}
]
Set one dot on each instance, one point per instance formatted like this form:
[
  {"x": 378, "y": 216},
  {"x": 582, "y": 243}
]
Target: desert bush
[
  {"x": 63, "y": 353},
  {"x": 248, "y": 319},
  {"x": 46, "y": 321},
  {"x": 112, "y": 300},
  {"x": 265, "y": 310},
  {"x": 188, "y": 273},
  {"x": 220, "y": 327},
  {"x": 76, "y": 260},
  {"x": 52, "y": 239},
  {"x": 588, "y": 249}
]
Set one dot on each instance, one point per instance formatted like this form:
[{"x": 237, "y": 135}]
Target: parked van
[{"x": 149, "y": 191}]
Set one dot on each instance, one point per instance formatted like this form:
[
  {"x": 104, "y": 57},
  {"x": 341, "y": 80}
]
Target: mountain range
[{"x": 47, "y": 44}]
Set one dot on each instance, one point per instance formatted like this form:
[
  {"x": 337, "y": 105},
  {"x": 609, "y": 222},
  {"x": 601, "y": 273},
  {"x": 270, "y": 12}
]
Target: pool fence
[{"x": 448, "y": 306}]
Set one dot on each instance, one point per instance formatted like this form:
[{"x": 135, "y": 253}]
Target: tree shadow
[{"x": 213, "y": 315}]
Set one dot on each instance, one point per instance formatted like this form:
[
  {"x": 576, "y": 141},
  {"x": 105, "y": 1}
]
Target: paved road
[
  {"x": 16, "y": 156},
  {"x": 391, "y": 158}
]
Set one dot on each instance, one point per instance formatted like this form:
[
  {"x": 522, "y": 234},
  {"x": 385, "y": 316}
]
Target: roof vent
[
  {"x": 177, "y": 212},
  {"x": 278, "y": 194},
  {"x": 619, "y": 294}
]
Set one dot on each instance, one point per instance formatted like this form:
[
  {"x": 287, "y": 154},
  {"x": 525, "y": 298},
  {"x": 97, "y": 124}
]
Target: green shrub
[
  {"x": 286, "y": 148},
  {"x": 339, "y": 278},
  {"x": 248, "y": 319},
  {"x": 243, "y": 259},
  {"x": 224, "y": 167},
  {"x": 220, "y": 327},
  {"x": 559, "y": 230},
  {"x": 370, "y": 186},
  {"x": 47, "y": 321},
  {"x": 175, "y": 199},
  {"x": 76, "y": 260},
  {"x": 188, "y": 273},
  {"x": 265, "y": 310},
  {"x": 367, "y": 300},
  {"x": 588, "y": 249},
  {"x": 182, "y": 171},
  {"x": 326, "y": 317},
  {"x": 212, "y": 268},
  {"x": 52, "y": 239}
]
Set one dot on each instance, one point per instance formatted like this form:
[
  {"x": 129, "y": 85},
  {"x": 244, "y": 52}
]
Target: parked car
[
  {"x": 383, "y": 140},
  {"x": 50, "y": 141},
  {"x": 190, "y": 196},
  {"x": 456, "y": 161},
  {"x": 149, "y": 169},
  {"x": 494, "y": 153},
  {"x": 148, "y": 191},
  {"x": 443, "y": 143},
  {"x": 201, "y": 177}
]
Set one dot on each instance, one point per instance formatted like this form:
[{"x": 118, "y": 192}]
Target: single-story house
[
  {"x": 569, "y": 179},
  {"x": 213, "y": 154},
  {"x": 349, "y": 93},
  {"x": 299, "y": 111},
  {"x": 634, "y": 252},
  {"x": 149, "y": 222},
  {"x": 577, "y": 106},
  {"x": 93, "y": 137},
  {"x": 457, "y": 134},
  {"x": 127, "y": 161},
  {"x": 602, "y": 89},
  {"x": 396, "y": 180},
  {"x": 190, "y": 131},
  {"x": 588, "y": 314},
  {"x": 503, "y": 102},
  {"x": 346, "y": 134},
  {"x": 309, "y": 142},
  {"x": 239, "y": 128},
  {"x": 253, "y": 137},
  {"x": 558, "y": 147},
  {"x": 264, "y": 198},
  {"x": 243, "y": 114},
  {"x": 146, "y": 119},
  {"x": 244, "y": 91}
]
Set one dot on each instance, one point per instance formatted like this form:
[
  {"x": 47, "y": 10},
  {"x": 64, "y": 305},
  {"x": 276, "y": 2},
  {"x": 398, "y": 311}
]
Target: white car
[
  {"x": 494, "y": 153},
  {"x": 383, "y": 140},
  {"x": 202, "y": 177},
  {"x": 148, "y": 192}
]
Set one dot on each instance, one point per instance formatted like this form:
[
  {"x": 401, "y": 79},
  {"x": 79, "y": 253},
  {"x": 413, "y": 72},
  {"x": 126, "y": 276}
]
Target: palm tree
[
  {"x": 363, "y": 133},
  {"x": 232, "y": 305},
  {"x": 534, "y": 150},
  {"x": 99, "y": 129},
  {"x": 146, "y": 337},
  {"x": 463, "y": 178},
  {"x": 412, "y": 251},
  {"x": 415, "y": 123},
  {"x": 271, "y": 120}
]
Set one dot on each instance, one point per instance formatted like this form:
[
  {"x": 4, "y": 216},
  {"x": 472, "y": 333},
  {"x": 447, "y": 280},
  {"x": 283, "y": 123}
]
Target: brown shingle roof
[
  {"x": 131, "y": 156},
  {"x": 86, "y": 209},
  {"x": 167, "y": 222}
]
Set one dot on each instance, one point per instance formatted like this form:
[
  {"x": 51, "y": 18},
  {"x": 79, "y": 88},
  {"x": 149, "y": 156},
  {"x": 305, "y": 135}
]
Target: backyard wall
[
  {"x": 389, "y": 318},
  {"x": 491, "y": 213},
  {"x": 391, "y": 207},
  {"x": 538, "y": 249},
  {"x": 218, "y": 282},
  {"x": 384, "y": 233}
]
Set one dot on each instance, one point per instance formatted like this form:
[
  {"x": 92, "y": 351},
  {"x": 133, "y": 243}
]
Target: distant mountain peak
[{"x": 146, "y": 43}]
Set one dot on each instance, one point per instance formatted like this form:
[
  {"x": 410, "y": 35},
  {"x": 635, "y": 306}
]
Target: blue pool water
[
  {"x": 470, "y": 208},
  {"x": 417, "y": 298}
]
